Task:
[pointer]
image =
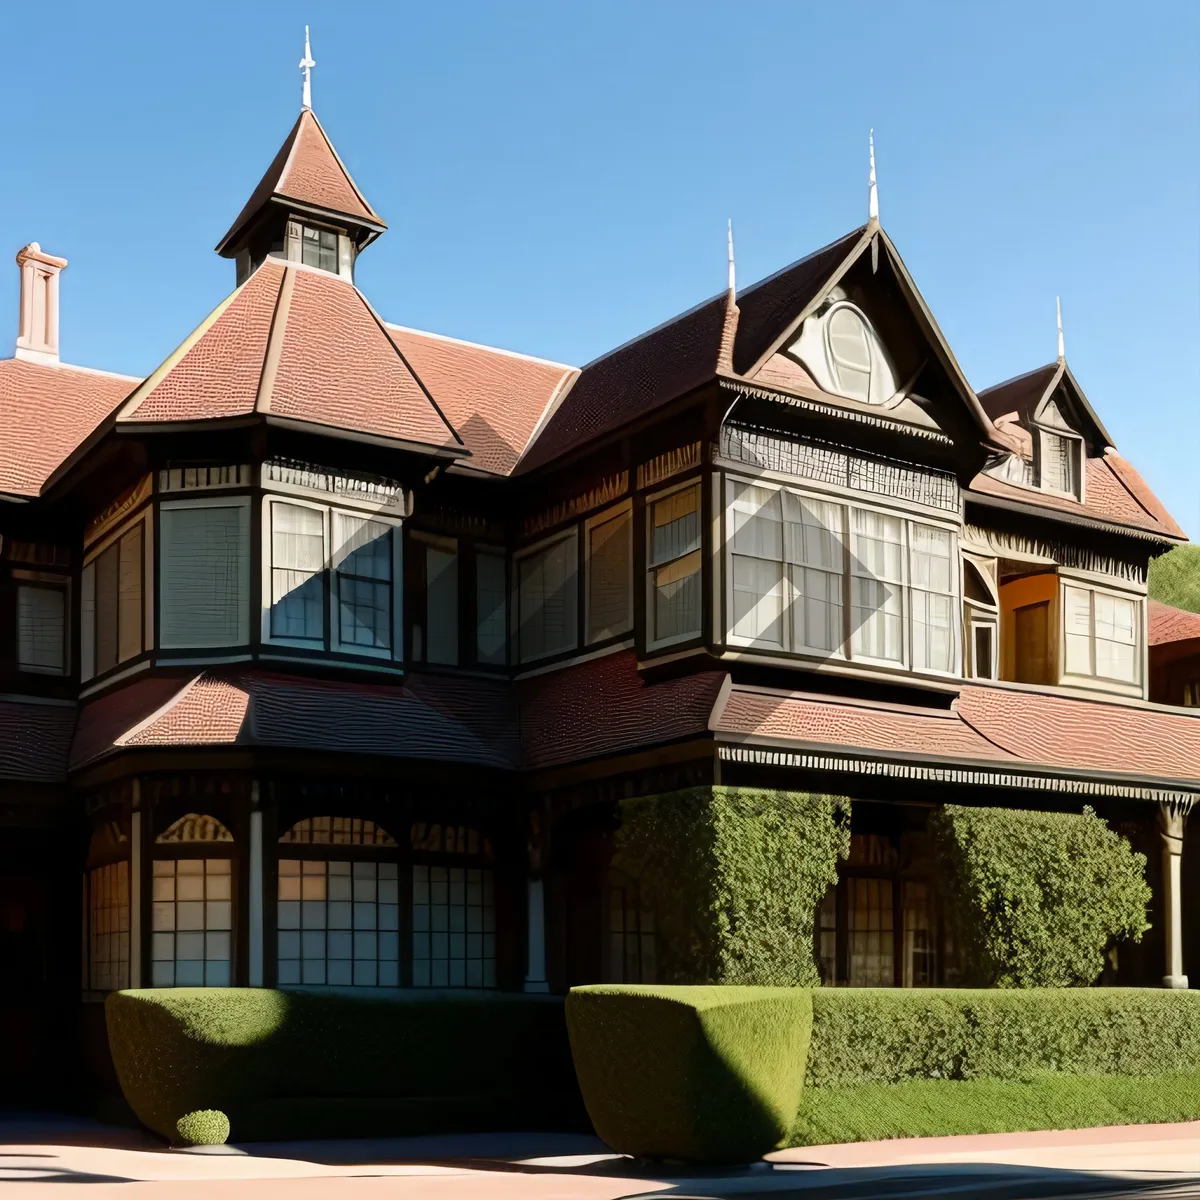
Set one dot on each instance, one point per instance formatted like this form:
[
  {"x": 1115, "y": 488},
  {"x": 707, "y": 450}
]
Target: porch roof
[{"x": 997, "y": 735}]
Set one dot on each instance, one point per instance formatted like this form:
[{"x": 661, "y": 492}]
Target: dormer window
[
  {"x": 1060, "y": 462},
  {"x": 316, "y": 246},
  {"x": 848, "y": 340}
]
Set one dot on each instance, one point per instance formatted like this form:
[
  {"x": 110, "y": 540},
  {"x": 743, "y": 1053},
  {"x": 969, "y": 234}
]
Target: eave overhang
[{"x": 1058, "y": 514}]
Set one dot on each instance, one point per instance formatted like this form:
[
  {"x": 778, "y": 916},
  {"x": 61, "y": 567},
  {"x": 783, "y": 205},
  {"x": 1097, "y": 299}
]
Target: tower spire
[
  {"x": 1062, "y": 354},
  {"x": 872, "y": 190},
  {"x": 732, "y": 275},
  {"x": 306, "y": 65}
]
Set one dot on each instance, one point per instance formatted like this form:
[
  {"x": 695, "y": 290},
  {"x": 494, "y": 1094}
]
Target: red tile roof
[
  {"x": 1019, "y": 395},
  {"x": 1114, "y": 493},
  {"x": 307, "y": 169},
  {"x": 675, "y": 358},
  {"x": 493, "y": 398},
  {"x": 1169, "y": 624},
  {"x": 45, "y": 413},
  {"x": 300, "y": 344},
  {"x": 990, "y": 725},
  {"x": 606, "y": 706},
  {"x": 440, "y": 720},
  {"x": 34, "y": 739}
]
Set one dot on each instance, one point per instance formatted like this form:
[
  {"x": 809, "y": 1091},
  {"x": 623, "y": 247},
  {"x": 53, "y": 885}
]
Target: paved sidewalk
[{"x": 43, "y": 1156}]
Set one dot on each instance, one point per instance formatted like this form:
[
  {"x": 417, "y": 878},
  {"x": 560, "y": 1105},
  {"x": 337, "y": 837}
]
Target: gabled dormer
[{"x": 306, "y": 209}]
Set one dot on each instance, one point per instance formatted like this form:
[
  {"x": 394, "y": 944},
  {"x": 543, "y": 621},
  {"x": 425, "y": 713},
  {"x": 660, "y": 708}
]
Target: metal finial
[
  {"x": 306, "y": 65},
  {"x": 732, "y": 281},
  {"x": 1062, "y": 353},
  {"x": 873, "y": 190}
]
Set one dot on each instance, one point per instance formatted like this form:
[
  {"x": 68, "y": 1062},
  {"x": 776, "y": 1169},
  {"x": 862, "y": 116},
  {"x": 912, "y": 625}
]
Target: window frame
[
  {"x": 330, "y": 642},
  {"x": 496, "y": 553},
  {"x": 615, "y": 513},
  {"x": 845, "y": 652},
  {"x": 1094, "y": 679},
  {"x": 650, "y": 566},
  {"x": 44, "y": 581},
  {"x": 88, "y": 607},
  {"x": 831, "y": 358},
  {"x": 1073, "y": 440},
  {"x": 515, "y": 653}
]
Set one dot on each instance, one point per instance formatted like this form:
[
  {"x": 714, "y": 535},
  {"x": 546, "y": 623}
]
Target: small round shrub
[{"x": 206, "y": 1127}]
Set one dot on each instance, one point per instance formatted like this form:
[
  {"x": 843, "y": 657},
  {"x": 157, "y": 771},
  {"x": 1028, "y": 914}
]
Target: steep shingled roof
[
  {"x": 46, "y": 412},
  {"x": 1169, "y": 624},
  {"x": 306, "y": 169},
  {"x": 299, "y": 344}
]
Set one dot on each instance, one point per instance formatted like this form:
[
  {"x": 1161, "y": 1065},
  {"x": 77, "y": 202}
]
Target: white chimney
[{"x": 37, "y": 335}]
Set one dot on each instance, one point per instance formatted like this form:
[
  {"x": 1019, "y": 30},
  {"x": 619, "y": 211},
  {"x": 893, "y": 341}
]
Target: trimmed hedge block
[
  {"x": 206, "y": 1128},
  {"x": 707, "y": 1074},
  {"x": 297, "y": 1064}
]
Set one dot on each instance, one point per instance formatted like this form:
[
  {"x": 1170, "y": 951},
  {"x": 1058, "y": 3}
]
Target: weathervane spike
[
  {"x": 732, "y": 281},
  {"x": 1062, "y": 353},
  {"x": 873, "y": 190},
  {"x": 306, "y": 65}
]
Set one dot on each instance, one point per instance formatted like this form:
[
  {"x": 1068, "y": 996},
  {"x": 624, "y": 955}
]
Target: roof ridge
[
  {"x": 338, "y": 159},
  {"x": 65, "y": 366},
  {"x": 853, "y": 234},
  {"x": 1017, "y": 378},
  {"x": 445, "y": 337}
]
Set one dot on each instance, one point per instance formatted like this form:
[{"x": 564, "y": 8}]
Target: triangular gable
[
  {"x": 921, "y": 377},
  {"x": 308, "y": 170},
  {"x": 1049, "y": 396}
]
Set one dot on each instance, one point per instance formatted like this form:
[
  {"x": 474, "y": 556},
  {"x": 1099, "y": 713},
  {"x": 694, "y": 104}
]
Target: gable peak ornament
[
  {"x": 872, "y": 189},
  {"x": 732, "y": 276},
  {"x": 1062, "y": 353},
  {"x": 306, "y": 65}
]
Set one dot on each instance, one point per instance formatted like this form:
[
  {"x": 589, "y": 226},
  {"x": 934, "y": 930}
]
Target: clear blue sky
[{"x": 557, "y": 176}]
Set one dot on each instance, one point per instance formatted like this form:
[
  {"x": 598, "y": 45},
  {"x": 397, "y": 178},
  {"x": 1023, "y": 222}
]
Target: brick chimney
[{"x": 37, "y": 334}]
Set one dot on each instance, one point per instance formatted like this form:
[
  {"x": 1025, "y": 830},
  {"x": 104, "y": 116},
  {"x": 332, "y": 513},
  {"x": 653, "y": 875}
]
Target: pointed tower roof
[{"x": 306, "y": 173}]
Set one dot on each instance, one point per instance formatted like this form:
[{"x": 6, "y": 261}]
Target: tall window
[
  {"x": 363, "y": 578},
  {"x": 112, "y": 610},
  {"x": 338, "y": 916},
  {"x": 297, "y": 572},
  {"x": 546, "y": 598},
  {"x": 1102, "y": 634},
  {"x": 981, "y": 611},
  {"x": 849, "y": 343},
  {"x": 1061, "y": 459},
  {"x": 491, "y": 608},
  {"x": 454, "y": 926},
  {"x": 632, "y": 953},
  {"x": 191, "y": 905},
  {"x": 329, "y": 577},
  {"x": 204, "y": 574},
  {"x": 877, "y": 585},
  {"x": 816, "y": 554},
  {"x": 108, "y": 926},
  {"x": 933, "y": 592},
  {"x": 757, "y": 546},
  {"x": 609, "y": 575},
  {"x": 42, "y": 628},
  {"x": 1032, "y": 657},
  {"x": 441, "y": 604},
  {"x": 674, "y": 566}
]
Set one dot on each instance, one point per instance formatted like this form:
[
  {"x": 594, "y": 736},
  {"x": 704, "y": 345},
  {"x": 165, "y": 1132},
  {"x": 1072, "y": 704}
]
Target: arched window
[
  {"x": 106, "y": 901},
  {"x": 848, "y": 339},
  {"x": 338, "y": 919},
  {"x": 191, "y": 922}
]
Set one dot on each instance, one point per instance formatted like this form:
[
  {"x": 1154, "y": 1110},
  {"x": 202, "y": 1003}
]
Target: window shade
[
  {"x": 41, "y": 628},
  {"x": 491, "y": 615},
  {"x": 87, "y": 622},
  {"x": 130, "y": 573},
  {"x": 441, "y": 606},
  {"x": 107, "y": 593},
  {"x": 204, "y": 571},
  {"x": 547, "y": 600},
  {"x": 609, "y": 577},
  {"x": 297, "y": 572}
]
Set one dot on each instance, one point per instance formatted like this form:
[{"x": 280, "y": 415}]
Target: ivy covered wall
[{"x": 734, "y": 876}]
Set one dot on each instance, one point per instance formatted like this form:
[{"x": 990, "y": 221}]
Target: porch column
[
  {"x": 1171, "y": 816},
  {"x": 254, "y": 902},
  {"x": 135, "y": 889},
  {"x": 535, "y": 976}
]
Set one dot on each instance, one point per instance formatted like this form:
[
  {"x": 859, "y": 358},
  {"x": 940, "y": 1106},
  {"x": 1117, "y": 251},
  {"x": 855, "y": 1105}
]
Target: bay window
[
  {"x": 673, "y": 584},
  {"x": 812, "y": 576},
  {"x": 1102, "y": 634}
]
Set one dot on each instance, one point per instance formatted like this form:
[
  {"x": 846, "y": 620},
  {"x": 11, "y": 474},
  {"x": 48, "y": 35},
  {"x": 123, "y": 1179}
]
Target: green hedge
[
  {"x": 871, "y": 1036},
  {"x": 698, "y": 1072},
  {"x": 295, "y": 1064},
  {"x": 734, "y": 876},
  {"x": 1174, "y": 578},
  {"x": 1037, "y": 897},
  {"x": 708, "y": 1074}
]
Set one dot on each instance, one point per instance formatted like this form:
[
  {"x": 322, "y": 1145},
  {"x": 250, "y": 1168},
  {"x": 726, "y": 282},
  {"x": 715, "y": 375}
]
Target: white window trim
[
  {"x": 831, "y": 359},
  {"x": 330, "y": 590},
  {"x": 515, "y": 656},
  {"x": 1080, "y": 462},
  {"x": 1095, "y": 681},
  {"x": 846, "y": 652},
  {"x": 976, "y": 615},
  {"x": 625, "y": 508},
  {"x": 63, "y": 584},
  {"x": 651, "y": 500}
]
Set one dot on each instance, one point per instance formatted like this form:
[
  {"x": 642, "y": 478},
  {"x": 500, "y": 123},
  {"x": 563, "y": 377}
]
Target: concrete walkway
[{"x": 42, "y": 1156}]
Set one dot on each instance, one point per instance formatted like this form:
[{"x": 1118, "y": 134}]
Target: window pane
[
  {"x": 817, "y": 609},
  {"x": 129, "y": 594},
  {"x": 920, "y": 935},
  {"x": 677, "y": 598},
  {"x": 108, "y": 927},
  {"x": 756, "y": 520},
  {"x": 41, "y": 627},
  {"x": 869, "y": 926},
  {"x": 675, "y": 526},
  {"x": 204, "y": 567},
  {"x": 192, "y": 916},
  {"x": 813, "y": 532},
  {"x": 757, "y": 600},
  {"x": 297, "y": 565},
  {"x": 547, "y": 600},
  {"x": 461, "y": 949},
  {"x": 609, "y": 576},
  {"x": 441, "y": 605},
  {"x": 491, "y": 609},
  {"x": 850, "y": 350},
  {"x": 107, "y": 599},
  {"x": 876, "y": 618},
  {"x": 1116, "y": 637},
  {"x": 1077, "y": 618}
]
